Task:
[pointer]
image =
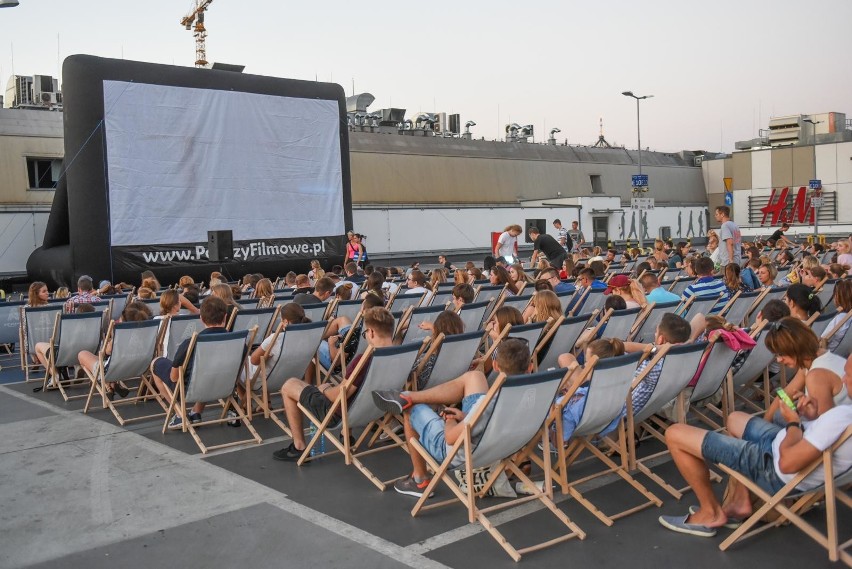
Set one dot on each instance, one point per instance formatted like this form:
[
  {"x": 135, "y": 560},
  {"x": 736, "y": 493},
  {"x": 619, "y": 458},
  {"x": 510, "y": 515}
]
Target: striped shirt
[{"x": 708, "y": 286}]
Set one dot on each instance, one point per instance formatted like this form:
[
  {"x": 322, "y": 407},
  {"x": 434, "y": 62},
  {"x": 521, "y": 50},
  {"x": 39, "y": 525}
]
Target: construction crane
[{"x": 199, "y": 31}]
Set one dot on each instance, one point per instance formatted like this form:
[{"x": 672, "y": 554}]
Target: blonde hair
[{"x": 547, "y": 306}]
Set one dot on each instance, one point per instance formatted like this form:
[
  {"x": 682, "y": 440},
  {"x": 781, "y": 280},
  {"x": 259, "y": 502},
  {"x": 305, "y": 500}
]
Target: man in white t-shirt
[
  {"x": 507, "y": 244},
  {"x": 767, "y": 453}
]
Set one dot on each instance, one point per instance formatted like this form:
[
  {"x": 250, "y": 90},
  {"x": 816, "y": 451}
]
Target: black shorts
[{"x": 312, "y": 399}]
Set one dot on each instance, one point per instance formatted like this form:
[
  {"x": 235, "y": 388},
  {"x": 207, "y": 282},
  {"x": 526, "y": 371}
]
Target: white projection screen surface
[{"x": 182, "y": 161}]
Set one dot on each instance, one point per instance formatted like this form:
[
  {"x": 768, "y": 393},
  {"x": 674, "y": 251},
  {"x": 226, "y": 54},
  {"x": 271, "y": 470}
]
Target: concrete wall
[{"x": 23, "y": 134}]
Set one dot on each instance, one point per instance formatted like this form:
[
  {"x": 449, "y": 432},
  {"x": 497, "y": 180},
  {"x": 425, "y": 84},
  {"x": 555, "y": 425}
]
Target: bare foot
[{"x": 710, "y": 518}]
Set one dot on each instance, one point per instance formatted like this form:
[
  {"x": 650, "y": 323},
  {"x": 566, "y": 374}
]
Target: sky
[{"x": 717, "y": 70}]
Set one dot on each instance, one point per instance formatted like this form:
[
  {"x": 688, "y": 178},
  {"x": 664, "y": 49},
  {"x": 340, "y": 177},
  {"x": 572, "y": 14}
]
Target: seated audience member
[
  {"x": 813, "y": 276},
  {"x": 322, "y": 292},
  {"x": 802, "y": 300},
  {"x": 85, "y": 294},
  {"x": 766, "y": 275},
  {"x": 843, "y": 302},
  {"x": 544, "y": 305},
  {"x": 351, "y": 270},
  {"x": 316, "y": 271},
  {"x": 337, "y": 330},
  {"x": 374, "y": 285},
  {"x": 378, "y": 331},
  {"x": 343, "y": 290},
  {"x": 447, "y": 323},
  {"x": 500, "y": 276},
  {"x": 551, "y": 276},
  {"x": 733, "y": 279},
  {"x": 707, "y": 285},
  {"x": 749, "y": 274},
  {"x": 585, "y": 280},
  {"x": 838, "y": 271},
  {"x": 166, "y": 372},
  {"x": 225, "y": 292},
  {"x": 573, "y": 410},
  {"x": 150, "y": 281},
  {"x": 820, "y": 373},
  {"x": 437, "y": 432},
  {"x": 769, "y": 454},
  {"x": 650, "y": 284},
  {"x": 672, "y": 329},
  {"x": 264, "y": 293},
  {"x": 416, "y": 283},
  {"x": 462, "y": 294},
  {"x": 303, "y": 285},
  {"x": 613, "y": 302},
  {"x": 133, "y": 312},
  {"x": 622, "y": 286}
]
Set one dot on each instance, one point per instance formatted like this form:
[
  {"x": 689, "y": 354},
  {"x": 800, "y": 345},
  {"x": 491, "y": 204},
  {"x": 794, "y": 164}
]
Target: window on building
[
  {"x": 43, "y": 173},
  {"x": 597, "y": 188}
]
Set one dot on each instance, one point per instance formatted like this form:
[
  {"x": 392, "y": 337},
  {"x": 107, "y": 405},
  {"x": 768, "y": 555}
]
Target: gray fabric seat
[
  {"x": 647, "y": 329},
  {"x": 73, "y": 333},
  {"x": 455, "y": 356},
  {"x": 473, "y": 315}
]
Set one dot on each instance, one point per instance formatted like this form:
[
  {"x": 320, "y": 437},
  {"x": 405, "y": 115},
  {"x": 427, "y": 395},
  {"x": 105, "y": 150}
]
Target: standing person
[
  {"x": 354, "y": 250},
  {"x": 561, "y": 234},
  {"x": 576, "y": 236},
  {"x": 507, "y": 244},
  {"x": 779, "y": 238},
  {"x": 730, "y": 238},
  {"x": 547, "y": 246},
  {"x": 442, "y": 259}
]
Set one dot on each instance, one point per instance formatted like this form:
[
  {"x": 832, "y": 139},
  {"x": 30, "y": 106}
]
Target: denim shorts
[
  {"x": 430, "y": 426},
  {"x": 751, "y": 455},
  {"x": 324, "y": 353}
]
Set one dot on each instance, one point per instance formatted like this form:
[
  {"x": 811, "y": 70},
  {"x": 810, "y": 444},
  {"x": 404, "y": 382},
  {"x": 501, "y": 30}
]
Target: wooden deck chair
[
  {"x": 152, "y": 303},
  {"x": 282, "y": 299},
  {"x": 248, "y": 318},
  {"x": 349, "y": 309},
  {"x": 532, "y": 333},
  {"x": 772, "y": 293},
  {"x": 593, "y": 299},
  {"x": 401, "y": 302},
  {"x": 389, "y": 368},
  {"x": 507, "y": 421},
  {"x": 679, "y": 366},
  {"x": 298, "y": 346},
  {"x": 740, "y": 305},
  {"x": 216, "y": 360},
  {"x": 72, "y": 333},
  {"x": 699, "y": 305},
  {"x": 680, "y": 284},
  {"x": 473, "y": 315},
  {"x": 410, "y": 329},
  {"x": 315, "y": 311},
  {"x": 247, "y": 303},
  {"x": 565, "y": 299},
  {"x": 526, "y": 290},
  {"x": 831, "y": 492},
  {"x": 843, "y": 348},
  {"x": 620, "y": 323},
  {"x": 608, "y": 382},
  {"x": 647, "y": 328},
  {"x": 36, "y": 326},
  {"x": 489, "y": 292},
  {"x": 826, "y": 292},
  {"x": 455, "y": 354},
  {"x": 119, "y": 301},
  {"x": 518, "y": 302},
  {"x": 717, "y": 366},
  {"x": 10, "y": 324},
  {"x": 179, "y": 328},
  {"x": 442, "y": 297},
  {"x": 559, "y": 339},
  {"x": 826, "y": 257},
  {"x": 133, "y": 348},
  {"x": 818, "y": 321},
  {"x": 754, "y": 368}
]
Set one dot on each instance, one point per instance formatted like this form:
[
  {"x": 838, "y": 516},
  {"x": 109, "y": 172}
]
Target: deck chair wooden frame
[
  {"x": 825, "y": 291},
  {"x": 679, "y": 367},
  {"x": 771, "y": 293},
  {"x": 680, "y": 284},
  {"x": 299, "y": 343},
  {"x": 740, "y": 306},
  {"x": 648, "y": 324},
  {"x": 475, "y": 314},
  {"x": 843, "y": 348},
  {"x": 604, "y": 403},
  {"x": 178, "y": 328},
  {"x": 560, "y": 338},
  {"x": 37, "y": 325},
  {"x": 592, "y": 299},
  {"x": 699, "y": 305},
  {"x": 317, "y": 311},
  {"x": 523, "y": 402},
  {"x": 714, "y": 375},
  {"x": 408, "y": 329},
  {"x": 10, "y": 324},
  {"x": 389, "y": 368},
  {"x": 402, "y": 301},
  {"x": 248, "y": 318},
  {"x": 339, "y": 359},
  {"x": 72, "y": 333},
  {"x": 134, "y": 345},
  {"x": 228, "y": 352},
  {"x": 620, "y": 323},
  {"x": 741, "y": 385},
  {"x": 830, "y": 493},
  {"x": 455, "y": 354}
]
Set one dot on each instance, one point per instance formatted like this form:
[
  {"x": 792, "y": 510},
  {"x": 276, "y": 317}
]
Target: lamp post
[
  {"x": 639, "y": 146},
  {"x": 817, "y": 192}
]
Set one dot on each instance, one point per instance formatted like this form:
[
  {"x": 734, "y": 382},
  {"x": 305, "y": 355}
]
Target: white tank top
[{"x": 835, "y": 364}]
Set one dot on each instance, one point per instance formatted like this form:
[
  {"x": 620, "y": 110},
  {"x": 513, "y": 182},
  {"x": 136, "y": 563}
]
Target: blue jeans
[
  {"x": 324, "y": 353},
  {"x": 430, "y": 426},
  {"x": 751, "y": 455}
]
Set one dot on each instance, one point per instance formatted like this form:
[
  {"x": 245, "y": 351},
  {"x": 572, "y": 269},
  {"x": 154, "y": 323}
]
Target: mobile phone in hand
[{"x": 785, "y": 398}]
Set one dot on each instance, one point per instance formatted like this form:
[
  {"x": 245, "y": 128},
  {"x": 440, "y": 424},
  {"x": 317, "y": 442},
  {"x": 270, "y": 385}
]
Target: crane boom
[{"x": 196, "y": 17}]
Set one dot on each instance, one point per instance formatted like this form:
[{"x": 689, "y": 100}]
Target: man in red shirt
[{"x": 378, "y": 331}]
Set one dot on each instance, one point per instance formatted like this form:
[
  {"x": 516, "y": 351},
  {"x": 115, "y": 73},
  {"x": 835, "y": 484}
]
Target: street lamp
[
  {"x": 638, "y": 130},
  {"x": 639, "y": 146},
  {"x": 817, "y": 192}
]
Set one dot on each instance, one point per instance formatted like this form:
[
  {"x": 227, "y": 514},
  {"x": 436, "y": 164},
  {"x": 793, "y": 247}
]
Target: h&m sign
[{"x": 780, "y": 210}]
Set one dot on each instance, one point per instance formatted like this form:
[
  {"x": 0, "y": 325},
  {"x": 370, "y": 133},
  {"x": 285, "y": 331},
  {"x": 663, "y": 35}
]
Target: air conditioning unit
[
  {"x": 697, "y": 160},
  {"x": 48, "y": 98}
]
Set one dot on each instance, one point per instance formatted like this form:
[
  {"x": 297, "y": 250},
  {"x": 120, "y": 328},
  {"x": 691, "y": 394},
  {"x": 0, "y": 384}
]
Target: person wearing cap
[
  {"x": 84, "y": 294},
  {"x": 548, "y": 246},
  {"x": 620, "y": 285}
]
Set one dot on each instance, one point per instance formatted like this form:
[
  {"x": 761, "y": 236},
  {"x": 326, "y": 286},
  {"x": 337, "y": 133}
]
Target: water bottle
[
  {"x": 312, "y": 431},
  {"x": 321, "y": 444}
]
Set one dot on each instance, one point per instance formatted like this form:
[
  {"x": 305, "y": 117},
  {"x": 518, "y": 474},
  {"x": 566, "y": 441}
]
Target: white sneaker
[{"x": 397, "y": 429}]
